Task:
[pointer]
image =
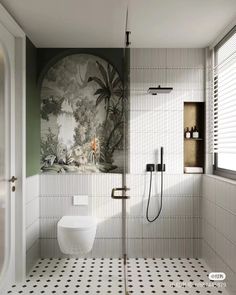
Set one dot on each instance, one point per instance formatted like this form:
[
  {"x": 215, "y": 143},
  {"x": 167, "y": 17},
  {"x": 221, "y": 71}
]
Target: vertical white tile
[
  {"x": 110, "y": 248},
  {"x": 48, "y": 228},
  {"x": 197, "y": 185},
  {"x": 134, "y": 227},
  {"x": 135, "y": 248},
  {"x": 185, "y": 58},
  {"x": 156, "y": 248},
  {"x": 32, "y": 234},
  {"x": 148, "y": 58},
  {"x": 47, "y": 248},
  {"x": 32, "y": 188},
  {"x": 109, "y": 228},
  {"x": 106, "y": 207},
  {"x": 32, "y": 255},
  {"x": 32, "y": 211}
]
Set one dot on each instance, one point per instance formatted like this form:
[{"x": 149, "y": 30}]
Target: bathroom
[{"x": 120, "y": 147}]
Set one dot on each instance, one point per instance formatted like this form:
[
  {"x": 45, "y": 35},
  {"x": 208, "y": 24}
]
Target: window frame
[
  {"x": 227, "y": 173},
  {"x": 231, "y": 174}
]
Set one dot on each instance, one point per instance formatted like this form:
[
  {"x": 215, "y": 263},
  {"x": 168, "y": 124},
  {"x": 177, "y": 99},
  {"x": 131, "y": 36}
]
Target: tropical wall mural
[{"x": 82, "y": 116}]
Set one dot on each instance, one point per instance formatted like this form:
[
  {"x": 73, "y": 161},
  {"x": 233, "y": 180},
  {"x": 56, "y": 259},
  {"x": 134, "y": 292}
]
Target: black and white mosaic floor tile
[
  {"x": 105, "y": 276},
  {"x": 170, "y": 276}
]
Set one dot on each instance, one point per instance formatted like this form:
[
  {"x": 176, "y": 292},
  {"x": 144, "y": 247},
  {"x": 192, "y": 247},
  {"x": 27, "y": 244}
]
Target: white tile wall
[
  {"x": 141, "y": 101},
  {"x": 149, "y": 143},
  {"x": 111, "y": 247},
  {"x": 219, "y": 222},
  {"x": 185, "y": 58},
  {"x": 33, "y": 254},
  {"x": 59, "y": 206},
  {"x": 32, "y": 188},
  {"x": 48, "y": 228},
  {"x": 76, "y": 184},
  {"x": 179, "y": 219},
  {"x": 167, "y": 58},
  {"x": 32, "y": 220},
  {"x": 32, "y": 211},
  {"x": 158, "y": 120},
  {"x": 56, "y": 200},
  {"x": 148, "y": 58},
  {"x": 32, "y": 234}
]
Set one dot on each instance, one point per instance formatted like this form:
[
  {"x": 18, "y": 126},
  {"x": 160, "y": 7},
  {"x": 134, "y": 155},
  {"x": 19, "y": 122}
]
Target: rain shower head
[{"x": 159, "y": 89}]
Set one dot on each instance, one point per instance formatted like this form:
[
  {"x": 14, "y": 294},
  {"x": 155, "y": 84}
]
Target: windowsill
[{"x": 220, "y": 178}]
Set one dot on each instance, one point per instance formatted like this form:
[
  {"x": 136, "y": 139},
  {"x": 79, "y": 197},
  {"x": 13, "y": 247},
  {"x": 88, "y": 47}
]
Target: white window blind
[{"x": 224, "y": 110}]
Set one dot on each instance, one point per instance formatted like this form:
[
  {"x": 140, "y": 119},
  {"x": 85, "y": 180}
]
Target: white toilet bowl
[{"x": 76, "y": 234}]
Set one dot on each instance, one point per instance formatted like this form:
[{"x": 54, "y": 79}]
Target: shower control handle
[
  {"x": 119, "y": 197},
  {"x": 161, "y": 167}
]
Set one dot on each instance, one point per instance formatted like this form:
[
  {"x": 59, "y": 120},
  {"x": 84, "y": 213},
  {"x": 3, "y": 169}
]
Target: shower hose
[{"x": 149, "y": 199}]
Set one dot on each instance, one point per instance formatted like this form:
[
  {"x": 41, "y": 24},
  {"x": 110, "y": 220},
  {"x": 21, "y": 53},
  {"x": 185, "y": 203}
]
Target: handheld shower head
[
  {"x": 162, "y": 150},
  {"x": 161, "y": 167}
]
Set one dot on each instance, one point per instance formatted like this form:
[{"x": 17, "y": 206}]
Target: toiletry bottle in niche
[
  {"x": 187, "y": 133},
  {"x": 195, "y": 133},
  {"x": 191, "y": 131}
]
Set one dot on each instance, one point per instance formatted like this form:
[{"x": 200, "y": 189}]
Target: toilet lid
[{"x": 77, "y": 222}]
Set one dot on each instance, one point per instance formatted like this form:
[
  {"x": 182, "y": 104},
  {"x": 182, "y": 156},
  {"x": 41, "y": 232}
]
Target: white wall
[
  {"x": 177, "y": 232},
  {"x": 32, "y": 220},
  {"x": 56, "y": 192},
  {"x": 154, "y": 121},
  {"x": 218, "y": 223},
  {"x": 157, "y": 121}
]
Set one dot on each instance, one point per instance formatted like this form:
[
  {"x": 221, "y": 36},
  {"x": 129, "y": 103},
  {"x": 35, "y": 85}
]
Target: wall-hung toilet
[{"x": 76, "y": 234}]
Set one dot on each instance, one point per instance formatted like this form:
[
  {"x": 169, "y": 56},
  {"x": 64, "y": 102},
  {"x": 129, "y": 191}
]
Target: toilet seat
[{"x": 78, "y": 223}]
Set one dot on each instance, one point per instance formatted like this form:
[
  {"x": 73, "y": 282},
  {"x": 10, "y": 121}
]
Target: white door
[{"x": 7, "y": 155}]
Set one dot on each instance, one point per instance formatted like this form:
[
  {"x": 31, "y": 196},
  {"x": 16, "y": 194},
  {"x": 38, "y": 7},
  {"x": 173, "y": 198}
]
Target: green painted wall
[{"x": 32, "y": 112}]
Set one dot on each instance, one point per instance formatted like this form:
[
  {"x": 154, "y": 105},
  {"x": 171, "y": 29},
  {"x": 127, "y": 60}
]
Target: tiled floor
[
  {"x": 170, "y": 276},
  {"x": 105, "y": 276}
]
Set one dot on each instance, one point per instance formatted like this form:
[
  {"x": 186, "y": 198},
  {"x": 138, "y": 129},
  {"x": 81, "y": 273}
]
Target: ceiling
[{"x": 101, "y": 23}]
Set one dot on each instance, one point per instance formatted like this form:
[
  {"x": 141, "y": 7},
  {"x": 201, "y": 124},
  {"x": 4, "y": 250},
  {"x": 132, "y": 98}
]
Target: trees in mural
[
  {"x": 110, "y": 91},
  {"x": 51, "y": 105},
  {"x": 82, "y": 114}
]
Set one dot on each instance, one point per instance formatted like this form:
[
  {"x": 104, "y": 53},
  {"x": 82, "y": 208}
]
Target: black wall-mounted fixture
[
  {"x": 159, "y": 89},
  {"x": 150, "y": 167},
  {"x": 161, "y": 167},
  {"x": 127, "y": 38}
]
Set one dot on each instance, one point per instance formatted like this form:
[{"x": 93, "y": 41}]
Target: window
[{"x": 224, "y": 108}]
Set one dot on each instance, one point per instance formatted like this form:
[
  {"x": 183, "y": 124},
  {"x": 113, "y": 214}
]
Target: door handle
[
  {"x": 12, "y": 179},
  {"x": 119, "y": 197}
]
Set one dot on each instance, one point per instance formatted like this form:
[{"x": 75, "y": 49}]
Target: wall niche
[
  {"x": 82, "y": 116},
  {"x": 194, "y": 148}
]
